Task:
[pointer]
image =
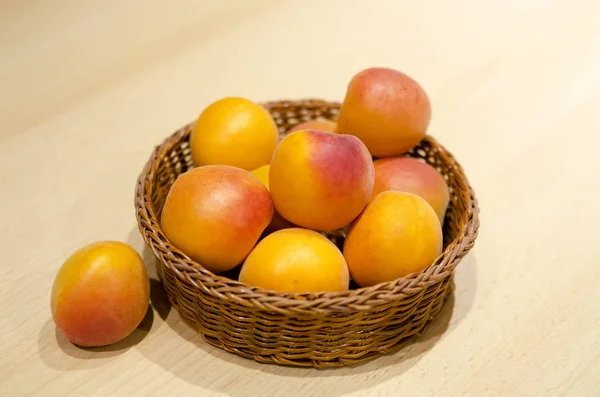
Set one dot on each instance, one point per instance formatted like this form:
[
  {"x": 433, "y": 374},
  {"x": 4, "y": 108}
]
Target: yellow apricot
[
  {"x": 398, "y": 233},
  {"x": 296, "y": 260},
  {"x": 234, "y": 131},
  {"x": 100, "y": 294}
]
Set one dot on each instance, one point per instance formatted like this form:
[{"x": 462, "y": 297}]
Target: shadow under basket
[{"x": 303, "y": 329}]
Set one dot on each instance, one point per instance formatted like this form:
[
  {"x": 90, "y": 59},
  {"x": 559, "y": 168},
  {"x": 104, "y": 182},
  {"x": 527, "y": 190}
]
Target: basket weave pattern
[{"x": 307, "y": 329}]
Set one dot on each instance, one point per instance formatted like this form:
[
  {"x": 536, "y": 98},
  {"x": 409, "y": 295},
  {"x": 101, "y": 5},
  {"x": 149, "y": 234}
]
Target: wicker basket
[{"x": 312, "y": 329}]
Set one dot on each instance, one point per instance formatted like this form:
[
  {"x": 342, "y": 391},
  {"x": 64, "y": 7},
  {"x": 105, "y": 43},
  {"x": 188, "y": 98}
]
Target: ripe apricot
[
  {"x": 215, "y": 214},
  {"x": 296, "y": 260},
  {"x": 407, "y": 174},
  {"x": 319, "y": 180},
  {"x": 398, "y": 233},
  {"x": 316, "y": 124},
  {"x": 100, "y": 294},
  {"x": 234, "y": 131},
  {"x": 386, "y": 109}
]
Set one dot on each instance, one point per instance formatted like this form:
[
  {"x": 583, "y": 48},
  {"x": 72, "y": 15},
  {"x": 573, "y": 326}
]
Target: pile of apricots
[
  {"x": 265, "y": 204},
  {"x": 262, "y": 206}
]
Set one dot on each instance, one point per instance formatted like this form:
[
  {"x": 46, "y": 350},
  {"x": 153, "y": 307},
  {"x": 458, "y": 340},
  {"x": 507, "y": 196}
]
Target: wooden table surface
[{"x": 88, "y": 88}]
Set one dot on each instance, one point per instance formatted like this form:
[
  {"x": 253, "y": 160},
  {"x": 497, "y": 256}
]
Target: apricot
[
  {"x": 262, "y": 173},
  {"x": 296, "y": 260},
  {"x": 234, "y": 131},
  {"x": 316, "y": 124},
  {"x": 215, "y": 214},
  {"x": 278, "y": 222},
  {"x": 411, "y": 175},
  {"x": 319, "y": 180},
  {"x": 397, "y": 234},
  {"x": 386, "y": 109},
  {"x": 100, "y": 294}
]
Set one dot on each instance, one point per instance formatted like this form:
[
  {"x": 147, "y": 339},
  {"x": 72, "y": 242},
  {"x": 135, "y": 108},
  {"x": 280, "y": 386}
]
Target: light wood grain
[{"x": 88, "y": 88}]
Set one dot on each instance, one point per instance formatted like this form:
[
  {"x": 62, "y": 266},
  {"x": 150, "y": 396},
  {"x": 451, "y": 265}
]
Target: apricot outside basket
[{"x": 311, "y": 329}]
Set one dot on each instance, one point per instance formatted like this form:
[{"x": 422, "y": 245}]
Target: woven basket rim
[{"x": 363, "y": 298}]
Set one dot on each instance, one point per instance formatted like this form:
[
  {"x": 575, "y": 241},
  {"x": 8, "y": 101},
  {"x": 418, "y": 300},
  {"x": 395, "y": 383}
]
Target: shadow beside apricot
[
  {"x": 56, "y": 351},
  {"x": 158, "y": 296}
]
